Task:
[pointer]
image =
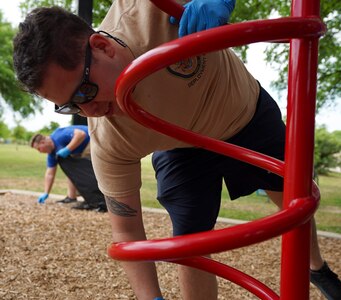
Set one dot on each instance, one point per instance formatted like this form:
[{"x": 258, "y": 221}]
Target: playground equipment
[{"x": 302, "y": 30}]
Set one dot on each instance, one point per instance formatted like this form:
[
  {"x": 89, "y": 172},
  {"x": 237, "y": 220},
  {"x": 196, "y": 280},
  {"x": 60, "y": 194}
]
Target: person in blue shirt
[{"x": 63, "y": 142}]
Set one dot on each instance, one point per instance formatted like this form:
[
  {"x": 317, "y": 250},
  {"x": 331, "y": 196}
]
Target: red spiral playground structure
[{"x": 301, "y": 196}]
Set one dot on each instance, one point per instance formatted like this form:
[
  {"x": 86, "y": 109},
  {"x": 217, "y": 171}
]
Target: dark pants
[
  {"x": 190, "y": 179},
  {"x": 80, "y": 171}
]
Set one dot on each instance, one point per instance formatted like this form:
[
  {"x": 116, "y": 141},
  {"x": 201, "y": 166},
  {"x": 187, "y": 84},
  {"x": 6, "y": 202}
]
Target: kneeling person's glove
[
  {"x": 42, "y": 198},
  {"x": 64, "y": 152},
  {"x": 204, "y": 14}
]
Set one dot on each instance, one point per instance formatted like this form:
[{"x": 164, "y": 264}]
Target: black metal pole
[{"x": 84, "y": 10}]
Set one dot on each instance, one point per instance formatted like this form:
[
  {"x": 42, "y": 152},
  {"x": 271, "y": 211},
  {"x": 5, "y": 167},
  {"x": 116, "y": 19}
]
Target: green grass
[
  {"x": 23, "y": 168},
  {"x": 20, "y": 161},
  {"x": 330, "y": 189}
]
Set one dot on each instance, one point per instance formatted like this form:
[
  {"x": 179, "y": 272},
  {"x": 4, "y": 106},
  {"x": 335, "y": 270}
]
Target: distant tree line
[
  {"x": 20, "y": 135},
  {"x": 327, "y": 155}
]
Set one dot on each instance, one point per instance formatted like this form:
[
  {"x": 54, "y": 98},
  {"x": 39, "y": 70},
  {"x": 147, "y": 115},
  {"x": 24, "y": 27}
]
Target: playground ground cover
[
  {"x": 22, "y": 168},
  {"x": 53, "y": 252}
]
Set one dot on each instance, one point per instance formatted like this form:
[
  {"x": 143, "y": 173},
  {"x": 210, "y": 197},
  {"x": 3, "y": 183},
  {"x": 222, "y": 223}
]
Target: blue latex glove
[
  {"x": 159, "y": 298},
  {"x": 204, "y": 14},
  {"x": 42, "y": 198},
  {"x": 64, "y": 152}
]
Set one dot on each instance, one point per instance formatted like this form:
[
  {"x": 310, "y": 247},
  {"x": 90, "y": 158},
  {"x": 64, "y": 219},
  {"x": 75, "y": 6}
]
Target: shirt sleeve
[{"x": 51, "y": 160}]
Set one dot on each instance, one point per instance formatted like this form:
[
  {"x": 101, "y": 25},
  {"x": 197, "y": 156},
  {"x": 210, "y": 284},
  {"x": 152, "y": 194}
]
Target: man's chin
[
  {"x": 95, "y": 115},
  {"x": 110, "y": 110}
]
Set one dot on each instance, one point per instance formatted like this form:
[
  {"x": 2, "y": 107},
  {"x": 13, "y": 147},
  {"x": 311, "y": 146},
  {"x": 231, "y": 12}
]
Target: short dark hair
[
  {"x": 36, "y": 139},
  {"x": 48, "y": 34}
]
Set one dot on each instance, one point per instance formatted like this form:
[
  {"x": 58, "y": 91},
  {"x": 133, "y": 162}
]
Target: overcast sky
[{"x": 256, "y": 65}]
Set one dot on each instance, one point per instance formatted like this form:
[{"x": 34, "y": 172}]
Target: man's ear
[{"x": 102, "y": 43}]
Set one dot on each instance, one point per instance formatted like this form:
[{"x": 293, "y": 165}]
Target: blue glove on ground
[
  {"x": 64, "y": 152},
  {"x": 42, "y": 198},
  {"x": 204, "y": 14}
]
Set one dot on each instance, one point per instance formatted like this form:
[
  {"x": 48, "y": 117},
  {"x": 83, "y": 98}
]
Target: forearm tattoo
[{"x": 119, "y": 208}]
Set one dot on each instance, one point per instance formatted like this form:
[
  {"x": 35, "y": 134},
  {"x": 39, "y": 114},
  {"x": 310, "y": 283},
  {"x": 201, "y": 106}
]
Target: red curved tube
[
  {"x": 305, "y": 29},
  {"x": 247, "y": 282},
  {"x": 215, "y": 241},
  {"x": 198, "y": 43}
]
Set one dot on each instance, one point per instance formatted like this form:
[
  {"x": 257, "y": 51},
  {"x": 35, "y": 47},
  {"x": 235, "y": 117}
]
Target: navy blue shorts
[{"x": 189, "y": 180}]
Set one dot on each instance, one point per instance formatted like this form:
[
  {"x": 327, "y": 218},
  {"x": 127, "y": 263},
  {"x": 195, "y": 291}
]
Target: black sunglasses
[
  {"x": 84, "y": 93},
  {"x": 87, "y": 90}
]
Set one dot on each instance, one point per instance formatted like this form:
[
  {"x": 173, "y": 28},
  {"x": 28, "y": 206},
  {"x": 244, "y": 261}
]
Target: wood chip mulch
[{"x": 56, "y": 253}]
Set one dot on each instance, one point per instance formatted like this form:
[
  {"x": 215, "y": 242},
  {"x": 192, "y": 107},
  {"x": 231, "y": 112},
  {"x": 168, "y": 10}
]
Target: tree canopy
[
  {"x": 329, "y": 71},
  {"x": 18, "y": 100},
  {"x": 327, "y": 150}
]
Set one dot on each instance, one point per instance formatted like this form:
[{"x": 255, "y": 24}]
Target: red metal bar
[
  {"x": 299, "y": 153},
  {"x": 215, "y": 241},
  {"x": 249, "y": 283},
  {"x": 303, "y": 29},
  {"x": 203, "y": 42}
]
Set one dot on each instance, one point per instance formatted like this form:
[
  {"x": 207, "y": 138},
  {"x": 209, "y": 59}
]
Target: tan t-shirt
[{"x": 212, "y": 94}]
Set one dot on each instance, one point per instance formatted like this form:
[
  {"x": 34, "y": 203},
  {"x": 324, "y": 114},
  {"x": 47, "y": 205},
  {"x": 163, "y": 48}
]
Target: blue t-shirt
[{"x": 61, "y": 137}]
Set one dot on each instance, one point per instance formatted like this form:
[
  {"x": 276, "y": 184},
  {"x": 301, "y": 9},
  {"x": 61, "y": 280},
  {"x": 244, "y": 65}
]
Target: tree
[
  {"x": 5, "y": 132},
  {"x": 18, "y": 100},
  {"x": 337, "y": 134},
  {"x": 20, "y": 133},
  {"x": 28, "y": 5},
  {"x": 329, "y": 83},
  {"x": 100, "y": 7},
  {"x": 329, "y": 70},
  {"x": 327, "y": 151},
  {"x": 47, "y": 130}
]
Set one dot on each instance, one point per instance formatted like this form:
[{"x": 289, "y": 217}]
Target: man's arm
[
  {"x": 78, "y": 138},
  {"x": 127, "y": 225},
  {"x": 50, "y": 175}
]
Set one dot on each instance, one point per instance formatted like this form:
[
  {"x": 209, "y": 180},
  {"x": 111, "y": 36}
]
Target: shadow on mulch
[{"x": 52, "y": 252}]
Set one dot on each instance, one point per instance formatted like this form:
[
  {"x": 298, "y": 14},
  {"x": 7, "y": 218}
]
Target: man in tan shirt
[{"x": 213, "y": 94}]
